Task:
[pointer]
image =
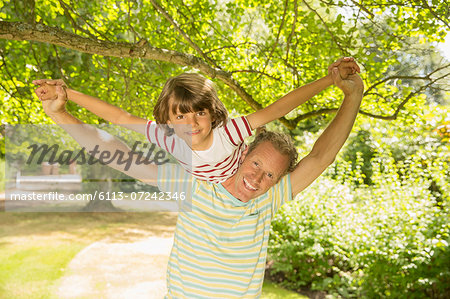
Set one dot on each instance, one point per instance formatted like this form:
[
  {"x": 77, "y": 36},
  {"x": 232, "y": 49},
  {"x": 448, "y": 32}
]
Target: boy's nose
[{"x": 193, "y": 120}]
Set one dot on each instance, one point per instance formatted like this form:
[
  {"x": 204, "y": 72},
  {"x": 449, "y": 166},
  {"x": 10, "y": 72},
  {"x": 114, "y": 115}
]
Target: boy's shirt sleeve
[
  {"x": 237, "y": 129},
  {"x": 155, "y": 134}
]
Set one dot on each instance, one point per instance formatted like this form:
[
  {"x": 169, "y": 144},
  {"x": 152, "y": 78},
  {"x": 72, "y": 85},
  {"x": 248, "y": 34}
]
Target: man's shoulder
[
  {"x": 282, "y": 189},
  {"x": 173, "y": 175}
]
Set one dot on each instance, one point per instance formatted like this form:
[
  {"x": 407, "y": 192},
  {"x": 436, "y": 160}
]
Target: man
[{"x": 220, "y": 245}]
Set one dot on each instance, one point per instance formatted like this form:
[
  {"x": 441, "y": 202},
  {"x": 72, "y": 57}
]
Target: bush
[{"x": 389, "y": 239}]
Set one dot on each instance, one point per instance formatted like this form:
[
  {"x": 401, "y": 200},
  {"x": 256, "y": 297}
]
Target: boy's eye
[
  {"x": 180, "y": 116},
  {"x": 201, "y": 113}
]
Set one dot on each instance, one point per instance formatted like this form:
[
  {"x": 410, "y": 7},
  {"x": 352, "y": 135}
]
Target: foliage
[
  {"x": 256, "y": 51},
  {"x": 413, "y": 140},
  {"x": 389, "y": 241},
  {"x": 377, "y": 224}
]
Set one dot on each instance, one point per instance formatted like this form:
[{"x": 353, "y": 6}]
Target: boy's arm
[
  {"x": 333, "y": 138},
  {"x": 100, "y": 108},
  {"x": 97, "y": 141},
  {"x": 287, "y": 103}
]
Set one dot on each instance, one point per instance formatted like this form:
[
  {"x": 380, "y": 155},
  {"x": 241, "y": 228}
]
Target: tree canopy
[{"x": 256, "y": 51}]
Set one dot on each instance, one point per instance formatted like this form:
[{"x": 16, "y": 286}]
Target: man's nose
[{"x": 259, "y": 175}]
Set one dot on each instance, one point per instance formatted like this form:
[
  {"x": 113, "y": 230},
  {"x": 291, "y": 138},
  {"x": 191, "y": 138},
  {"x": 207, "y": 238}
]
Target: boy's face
[{"x": 195, "y": 128}]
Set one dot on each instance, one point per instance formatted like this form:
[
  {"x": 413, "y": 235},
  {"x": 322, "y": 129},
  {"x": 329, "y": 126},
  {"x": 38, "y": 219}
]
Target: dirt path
[{"x": 108, "y": 269}]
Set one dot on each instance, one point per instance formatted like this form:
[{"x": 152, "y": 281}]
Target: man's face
[{"x": 259, "y": 171}]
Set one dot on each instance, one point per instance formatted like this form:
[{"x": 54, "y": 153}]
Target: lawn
[{"x": 35, "y": 248}]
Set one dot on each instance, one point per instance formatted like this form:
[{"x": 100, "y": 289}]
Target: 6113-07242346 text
[{"x": 100, "y": 195}]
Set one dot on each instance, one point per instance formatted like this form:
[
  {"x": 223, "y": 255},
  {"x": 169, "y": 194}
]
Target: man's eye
[
  {"x": 270, "y": 175},
  {"x": 256, "y": 164}
]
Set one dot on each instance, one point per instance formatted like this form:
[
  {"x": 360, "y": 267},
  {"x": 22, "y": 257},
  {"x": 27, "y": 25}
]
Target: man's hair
[
  {"x": 189, "y": 93},
  {"x": 280, "y": 141}
]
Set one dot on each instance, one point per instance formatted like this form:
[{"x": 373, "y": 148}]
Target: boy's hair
[
  {"x": 189, "y": 93},
  {"x": 280, "y": 141}
]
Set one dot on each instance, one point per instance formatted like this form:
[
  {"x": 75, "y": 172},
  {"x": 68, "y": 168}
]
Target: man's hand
[
  {"x": 346, "y": 65},
  {"x": 353, "y": 85},
  {"x": 57, "y": 82}
]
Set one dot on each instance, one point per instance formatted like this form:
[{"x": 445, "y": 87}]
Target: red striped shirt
[{"x": 215, "y": 164}]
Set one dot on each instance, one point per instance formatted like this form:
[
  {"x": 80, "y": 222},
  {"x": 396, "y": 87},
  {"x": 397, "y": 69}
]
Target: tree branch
[
  {"x": 363, "y": 8},
  {"x": 41, "y": 33},
  {"x": 426, "y": 77},
  {"x": 344, "y": 51},
  {"x": 437, "y": 15},
  {"x": 294, "y": 24},
  {"x": 256, "y": 72},
  {"x": 183, "y": 34},
  {"x": 136, "y": 35},
  {"x": 277, "y": 38},
  {"x": 67, "y": 12}
]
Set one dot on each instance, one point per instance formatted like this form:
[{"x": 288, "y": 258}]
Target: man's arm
[
  {"x": 297, "y": 97},
  {"x": 89, "y": 137},
  {"x": 100, "y": 108},
  {"x": 333, "y": 138}
]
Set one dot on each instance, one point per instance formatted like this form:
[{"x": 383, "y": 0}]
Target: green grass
[
  {"x": 30, "y": 270},
  {"x": 273, "y": 291},
  {"x": 35, "y": 248}
]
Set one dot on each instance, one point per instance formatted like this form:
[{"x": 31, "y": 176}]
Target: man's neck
[{"x": 229, "y": 185}]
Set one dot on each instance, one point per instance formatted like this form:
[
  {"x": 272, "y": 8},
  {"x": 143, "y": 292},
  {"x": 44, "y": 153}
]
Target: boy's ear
[{"x": 169, "y": 124}]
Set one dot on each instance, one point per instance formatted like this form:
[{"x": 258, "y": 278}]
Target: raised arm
[
  {"x": 100, "y": 108},
  {"x": 297, "y": 97},
  {"x": 333, "y": 137},
  {"x": 97, "y": 141}
]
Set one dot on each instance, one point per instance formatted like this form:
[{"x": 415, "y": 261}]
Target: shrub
[{"x": 386, "y": 240}]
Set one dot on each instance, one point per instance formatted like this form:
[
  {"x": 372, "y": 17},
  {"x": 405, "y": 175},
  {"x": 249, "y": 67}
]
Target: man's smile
[{"x": 248, "y": 185}]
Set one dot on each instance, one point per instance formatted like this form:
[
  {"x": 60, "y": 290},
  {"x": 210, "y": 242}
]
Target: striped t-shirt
[
  {"x": 215, "y": 164},
  {"x": 220, "y": 243}
]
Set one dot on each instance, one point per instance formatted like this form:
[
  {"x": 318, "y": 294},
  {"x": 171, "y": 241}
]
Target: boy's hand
[
  {"x": 56, "y": 105},
  {"x": 59, "y": 82},
  {"x": 46, "y": 92},
  {"x": 347, "y": 66},
  {"x": 47, "y": 88}
]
